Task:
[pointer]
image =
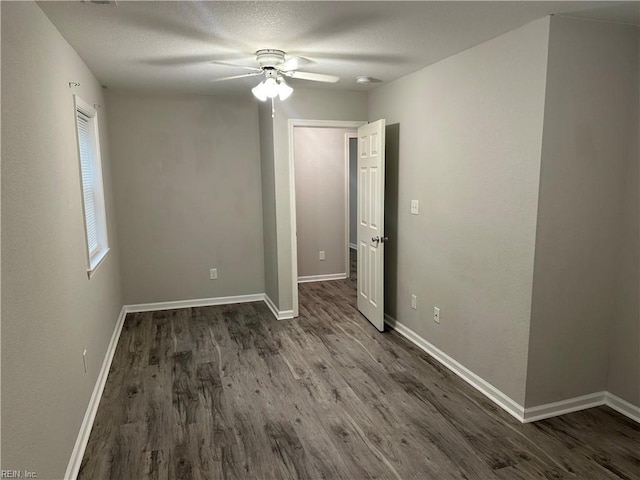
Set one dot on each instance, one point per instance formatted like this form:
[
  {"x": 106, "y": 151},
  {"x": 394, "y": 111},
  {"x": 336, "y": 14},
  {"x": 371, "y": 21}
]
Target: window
[{"x": 95, "y": 219}]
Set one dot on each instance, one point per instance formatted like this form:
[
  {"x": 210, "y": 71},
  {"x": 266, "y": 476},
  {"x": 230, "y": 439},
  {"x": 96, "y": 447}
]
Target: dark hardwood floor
[{"x": 229, "y": 392}]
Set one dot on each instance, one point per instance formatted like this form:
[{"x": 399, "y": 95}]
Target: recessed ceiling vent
[{"x": 366, "y": 80}]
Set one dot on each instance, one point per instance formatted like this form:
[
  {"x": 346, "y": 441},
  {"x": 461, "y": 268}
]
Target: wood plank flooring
[{"x": 229, "y": 392}]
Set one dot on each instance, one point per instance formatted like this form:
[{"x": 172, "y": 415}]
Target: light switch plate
[{"x": 414, "y": 207}]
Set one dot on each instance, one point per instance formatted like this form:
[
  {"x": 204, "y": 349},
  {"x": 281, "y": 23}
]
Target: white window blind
[
  {"x": 95, "y": 221},
  {"x": 88, "y": 183}
]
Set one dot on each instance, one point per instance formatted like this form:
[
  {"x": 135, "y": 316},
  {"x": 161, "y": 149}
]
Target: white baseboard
[
  {"x": 525, "y": 415},
  {"x": 73, "y": 467},
  {"x": 272, "y": 306},
  {"x": 622, "y": 406},
  {"x": 583, "y": 402},
  {"x": 199, "y": 302},
  {"x": 322, "y": 278},
  {"x": 279, "y": 314},
  {"x": 491, "y": 392},
  {"x": 207, "y": 302},
  {"x": 353, "y": 246},
  {"x": 554, "y": 409}
]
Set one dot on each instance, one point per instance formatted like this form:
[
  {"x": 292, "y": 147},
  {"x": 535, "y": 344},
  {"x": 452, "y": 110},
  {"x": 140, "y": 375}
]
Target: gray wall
[
  {"x": 270, "y": 244},
  {"x": 321, "y": 176},
  {"x": 188, "y": 195},
  {"x": 305, "y": 103},
  {"x": 624, "y": 354},
  {"x": 353, "y": 191},
  {"x": 624, "y": 347},
  {"x": 391, "y": 214},
  {"x": 586, "y": 264},
  {"x": 51, "y": 311},
  {"x": 470, "y": 135}
]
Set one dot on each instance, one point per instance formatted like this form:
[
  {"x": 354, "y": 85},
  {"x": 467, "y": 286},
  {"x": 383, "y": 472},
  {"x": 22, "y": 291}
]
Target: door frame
[
  {"x": 292, "y": 192},
  {"x": 347, "y": 151}
]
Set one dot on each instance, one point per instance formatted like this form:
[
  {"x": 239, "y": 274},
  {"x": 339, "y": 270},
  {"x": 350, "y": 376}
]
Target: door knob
[{"x": 378, "y": 239}]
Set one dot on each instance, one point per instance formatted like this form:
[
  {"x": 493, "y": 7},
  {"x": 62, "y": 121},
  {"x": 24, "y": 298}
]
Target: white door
[{"x": 371, "y": 222}]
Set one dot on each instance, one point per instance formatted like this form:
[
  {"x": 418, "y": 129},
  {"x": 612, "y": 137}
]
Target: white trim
[
  {"x": 293, "y": 247},
  {"x": 554, "y": 409},
  {"x": 208, "y": 302},
  {"x": 491, "y": 392},
  {"x": 280, "y": 315},
  {"x": 298, "y": 122},
  {"x": 93, "y": 262},
  {"x": 347, "y": 196},
  {"x": 322, "y": 278},
  {"x": 198, "y": 302},
  {"x": 99, "y": 260},
  {"x": 293, "y": 122},
  {"x": 271, "y": 305},
  {"x": 622, "y": 406},
  {"x": 525, "y": 415},
  {"x": 73, "y": 467},
  {"x": 583, "y": 402},
  {"x": 353, "y": 246}
]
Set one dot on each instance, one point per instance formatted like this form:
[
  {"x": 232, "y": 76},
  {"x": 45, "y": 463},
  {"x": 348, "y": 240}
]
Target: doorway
[
  {"x": 322, "y": 195},
  {"x": 314, "y": 250}
]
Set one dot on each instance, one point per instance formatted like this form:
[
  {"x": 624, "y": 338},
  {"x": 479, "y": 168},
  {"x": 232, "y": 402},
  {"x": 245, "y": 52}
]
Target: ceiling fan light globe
[
  {"x": 284, "y": 90},
  {"x": 270, "y": 88},
  {"x": 259, "y": 92}
]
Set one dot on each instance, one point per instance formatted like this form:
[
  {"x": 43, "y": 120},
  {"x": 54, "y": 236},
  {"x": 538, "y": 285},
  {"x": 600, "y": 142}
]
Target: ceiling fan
[{"x": 274, "y": 66}]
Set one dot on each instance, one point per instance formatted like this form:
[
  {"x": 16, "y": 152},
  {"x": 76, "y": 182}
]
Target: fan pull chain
[{"x": 273, "y": 108}]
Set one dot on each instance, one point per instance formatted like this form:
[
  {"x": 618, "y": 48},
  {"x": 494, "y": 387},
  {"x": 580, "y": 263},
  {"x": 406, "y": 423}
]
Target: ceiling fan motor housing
[
  {"x": 270, "y": 72},
  {"x": 269, "y": 57}
]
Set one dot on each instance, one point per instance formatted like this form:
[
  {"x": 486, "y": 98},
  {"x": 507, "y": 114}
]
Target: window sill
[{"x": 96, "y": 262}]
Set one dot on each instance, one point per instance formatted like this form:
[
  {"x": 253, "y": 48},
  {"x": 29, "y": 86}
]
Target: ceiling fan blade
[
  {"x": 244, "y": 75},
  {"x": 293, "y": 63},
  {"x": 314, "y": 77},
  {"x": 244, "y": 67}
]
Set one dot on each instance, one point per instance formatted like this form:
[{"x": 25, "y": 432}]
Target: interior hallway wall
[
  {"x": 310, "y": 104},
  {"x": 268, "y": 186},
  {"x": 624, "y": 359},
  {"x": 584, "y": 319},
  {"x": 391, "y": 215},
  {"x": 321, "y": 183},
  {"x": 470, "y": 136},
  {"x": 51, "y": 310},
  {"x": 187, "y": 180}
]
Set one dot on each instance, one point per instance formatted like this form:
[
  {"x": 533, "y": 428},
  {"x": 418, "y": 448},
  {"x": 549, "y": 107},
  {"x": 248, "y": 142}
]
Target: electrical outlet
[
  {"x": 415, "y": 207},
  {"x": 414, "y": 302},
  {"x": 436, "y": 314},
  {"x": 213, "y": 273},
  {"x": 322, "y": 255},
  {"x": 84, "y": 360}
]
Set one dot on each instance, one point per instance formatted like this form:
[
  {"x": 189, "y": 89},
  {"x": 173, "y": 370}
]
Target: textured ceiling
[{"x": 167, "y": 46}]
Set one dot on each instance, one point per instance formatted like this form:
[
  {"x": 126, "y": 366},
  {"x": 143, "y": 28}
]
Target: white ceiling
[{"x": 167, "y": 46}]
